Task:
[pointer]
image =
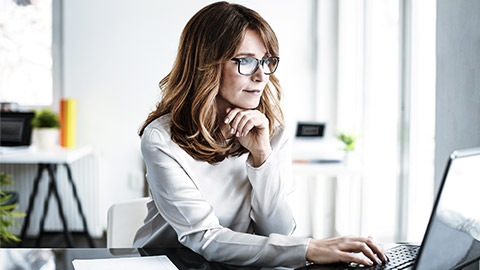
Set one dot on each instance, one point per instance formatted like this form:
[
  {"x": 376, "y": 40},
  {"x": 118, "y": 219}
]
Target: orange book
[
  {"x": 68, "y": 122},
  {"x": 71, "y": 123},
  {"x": 63, "y": 122}
]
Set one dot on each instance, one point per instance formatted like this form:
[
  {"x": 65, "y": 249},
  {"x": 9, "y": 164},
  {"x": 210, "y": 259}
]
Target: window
[
  {"x": 422, "y": 67},
  {"x": 26, "y": 52},
  {"x": 386, "y": 94}
]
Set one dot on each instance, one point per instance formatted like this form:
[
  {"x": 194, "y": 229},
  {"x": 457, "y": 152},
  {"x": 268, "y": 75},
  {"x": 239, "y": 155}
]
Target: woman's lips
[{"x": 254, "y": 91}]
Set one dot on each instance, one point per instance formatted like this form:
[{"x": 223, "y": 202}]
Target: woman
[{"x": 217, "y": 154}]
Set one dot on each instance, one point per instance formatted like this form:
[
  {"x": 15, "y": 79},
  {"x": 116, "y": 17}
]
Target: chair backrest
[{"x": 123, "y": 221}]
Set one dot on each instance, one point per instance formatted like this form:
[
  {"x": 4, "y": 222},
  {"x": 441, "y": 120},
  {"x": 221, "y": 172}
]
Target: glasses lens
[
  {"x": 247, "y": 65},
  {"x": 270, "y": 65}
]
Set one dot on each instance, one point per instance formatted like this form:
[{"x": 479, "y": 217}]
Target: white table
[
  {"x": 48, "y": 161},
  {"x": 331, "y": 169},
  {"x": 32, "y": 155},
  {"x": 348, "y": 192}
]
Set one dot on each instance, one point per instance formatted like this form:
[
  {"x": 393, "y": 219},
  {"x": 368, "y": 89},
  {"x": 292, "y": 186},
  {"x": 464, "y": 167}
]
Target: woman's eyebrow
[
  {"x": 248, "y": 55},
  {"x": 245, "y": 54}
]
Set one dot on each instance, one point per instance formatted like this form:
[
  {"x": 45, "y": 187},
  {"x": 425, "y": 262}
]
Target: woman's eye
[{"x": 247, "y": 61}]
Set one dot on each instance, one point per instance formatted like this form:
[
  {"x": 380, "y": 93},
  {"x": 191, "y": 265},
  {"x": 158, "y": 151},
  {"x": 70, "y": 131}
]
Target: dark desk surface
[{"x": 183, "y": 258}]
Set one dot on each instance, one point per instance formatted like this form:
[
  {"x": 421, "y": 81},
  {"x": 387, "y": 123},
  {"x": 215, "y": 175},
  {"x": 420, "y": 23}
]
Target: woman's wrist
[
  {"x": 259, "y": 157},
  {"x": 308, "y": 254}
]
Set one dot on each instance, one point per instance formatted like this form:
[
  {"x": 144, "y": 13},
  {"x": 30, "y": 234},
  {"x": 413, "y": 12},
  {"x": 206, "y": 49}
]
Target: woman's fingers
[
  {"x": 370, "y": 248},
  {"x": 362, "y": 250},
  {"x": 357, "y": 245},
  {"x": 239, "y": 119},
  {"x": 366, "y": 250},
  {"x": 242, "y": 121},
  {"x": 249, "y": 125},
  {"x": 356, "y": 258},
  {"x": 245, "y": 124},
  {"x": 378, "y": 250},
  {"x": 230, "y": 115}
]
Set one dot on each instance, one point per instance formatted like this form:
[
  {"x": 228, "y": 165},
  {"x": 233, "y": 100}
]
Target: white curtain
[{"x": 380, "y": 55}]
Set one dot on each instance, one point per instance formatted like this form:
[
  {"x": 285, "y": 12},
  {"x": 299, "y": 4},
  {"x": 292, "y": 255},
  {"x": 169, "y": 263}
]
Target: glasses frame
[{"x": 259, "y": 62}]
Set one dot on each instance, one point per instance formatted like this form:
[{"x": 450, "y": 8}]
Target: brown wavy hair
[{"x": 210, "y": 39}]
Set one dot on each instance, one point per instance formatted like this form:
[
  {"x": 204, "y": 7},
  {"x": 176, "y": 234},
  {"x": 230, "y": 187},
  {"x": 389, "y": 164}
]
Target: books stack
[{"x": 68, "y": 122}]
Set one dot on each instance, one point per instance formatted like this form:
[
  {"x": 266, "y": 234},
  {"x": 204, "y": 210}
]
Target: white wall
[
  {"x": 116, "y": 52},
  {"x": 458, "y": 79}
]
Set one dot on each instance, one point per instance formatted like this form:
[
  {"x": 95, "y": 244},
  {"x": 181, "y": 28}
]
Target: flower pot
[
  {"x": 346, "y": 157},
  {"x": 351, "y": 158},
  {"x": 46, "y": 138}
]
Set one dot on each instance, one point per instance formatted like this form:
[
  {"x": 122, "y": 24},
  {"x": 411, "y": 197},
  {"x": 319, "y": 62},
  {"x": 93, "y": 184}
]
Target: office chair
[{"x": 123, "y": 221}]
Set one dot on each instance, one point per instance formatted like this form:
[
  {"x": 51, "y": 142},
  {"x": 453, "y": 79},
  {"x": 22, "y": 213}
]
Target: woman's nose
[{"x": 259, "y": 75}]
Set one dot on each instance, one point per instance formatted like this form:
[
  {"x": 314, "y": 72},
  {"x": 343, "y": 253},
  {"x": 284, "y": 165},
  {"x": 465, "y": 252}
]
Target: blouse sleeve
[
  {"x": 272, "y": 182},
  {"x": 185, "y": 209}
]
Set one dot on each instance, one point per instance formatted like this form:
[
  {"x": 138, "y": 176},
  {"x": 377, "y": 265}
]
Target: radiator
[{"x": 85, "y": 172}]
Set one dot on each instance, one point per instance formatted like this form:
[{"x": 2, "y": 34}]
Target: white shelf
[
  {"x": 328, "y": 169},
  {"x": 32, "y": 155}
]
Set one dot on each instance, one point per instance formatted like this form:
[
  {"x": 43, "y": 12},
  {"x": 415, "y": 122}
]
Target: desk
[
  {"x": 48, "y": 161},
  {"x": 183, "y": 258}
]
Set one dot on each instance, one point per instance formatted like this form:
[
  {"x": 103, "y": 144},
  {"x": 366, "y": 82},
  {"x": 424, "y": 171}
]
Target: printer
[{"x": 311, "y": 145}]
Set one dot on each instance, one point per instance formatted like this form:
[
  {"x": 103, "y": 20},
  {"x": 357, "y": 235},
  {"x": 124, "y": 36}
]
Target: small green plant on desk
[
  {"x": 349, "y": 141},
  {"x": 7, "y": 214},
  {"x": 45, "y": 119},
  {"x": 46, "y": 124}
]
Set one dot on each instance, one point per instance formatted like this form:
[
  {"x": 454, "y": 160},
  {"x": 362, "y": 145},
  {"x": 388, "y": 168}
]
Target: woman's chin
[{"x": 247, "y": 105}]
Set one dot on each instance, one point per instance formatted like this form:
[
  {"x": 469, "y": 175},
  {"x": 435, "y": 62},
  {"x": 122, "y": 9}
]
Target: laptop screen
[
  {"x": 452, "y": 239},
  {"x": 15, "y": 128}
]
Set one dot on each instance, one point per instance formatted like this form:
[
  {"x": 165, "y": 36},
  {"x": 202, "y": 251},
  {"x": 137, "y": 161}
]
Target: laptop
[
  {"x": 15, "y": 131},
  {"x": 452, "y": 238}
]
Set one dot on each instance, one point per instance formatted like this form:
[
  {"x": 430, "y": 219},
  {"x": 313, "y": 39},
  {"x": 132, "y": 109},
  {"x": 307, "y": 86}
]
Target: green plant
[
  {"x": 45, "y": 119},
  {"x": 349, "y": 141},
  {"x": 7, "y": 215}
]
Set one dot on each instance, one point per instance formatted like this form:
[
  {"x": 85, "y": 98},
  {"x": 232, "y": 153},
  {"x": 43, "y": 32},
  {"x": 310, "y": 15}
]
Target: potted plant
[
  {"x": 350, "y": 142},
  {"x": 46, "y": 125},
  {"x": 7, "y": 214}
]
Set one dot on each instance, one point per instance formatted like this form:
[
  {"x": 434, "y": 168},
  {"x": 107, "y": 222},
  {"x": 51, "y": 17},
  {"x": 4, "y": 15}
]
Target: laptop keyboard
[{"x": 400, "y": 257}]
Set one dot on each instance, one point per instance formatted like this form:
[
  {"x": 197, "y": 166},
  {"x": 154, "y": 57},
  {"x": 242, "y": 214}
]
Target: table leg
[
  {"x": 45, "y": 212},
  {"x": 312, "y": 188},
  {"x": 68, "y": 237},
  {"x": 79, "y": 205},
  {"x": 26, "y": 222}
]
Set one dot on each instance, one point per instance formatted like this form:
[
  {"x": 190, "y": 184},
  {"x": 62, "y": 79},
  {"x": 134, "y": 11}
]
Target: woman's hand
[
  {"x": 251, "y": 128},
  {"x": 346, "y": 249}
]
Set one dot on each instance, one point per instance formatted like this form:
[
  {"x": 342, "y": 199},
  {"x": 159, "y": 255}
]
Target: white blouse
[{"x": 229, "y": 212}]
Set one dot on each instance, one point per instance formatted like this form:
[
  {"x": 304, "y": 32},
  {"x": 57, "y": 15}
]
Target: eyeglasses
[{"x": 248, "y": 65}]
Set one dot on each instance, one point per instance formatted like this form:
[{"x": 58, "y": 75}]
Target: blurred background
[{"x": 402, "y": 76}]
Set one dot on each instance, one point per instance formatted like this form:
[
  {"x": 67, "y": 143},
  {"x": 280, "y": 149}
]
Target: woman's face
[{"x": 238, "y": 90}]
